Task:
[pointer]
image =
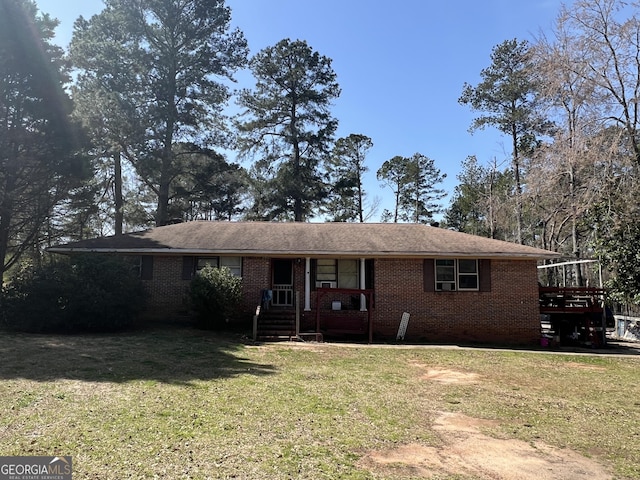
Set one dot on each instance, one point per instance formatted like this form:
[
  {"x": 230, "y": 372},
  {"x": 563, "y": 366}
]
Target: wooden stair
[{"x": 276, "y": 324}]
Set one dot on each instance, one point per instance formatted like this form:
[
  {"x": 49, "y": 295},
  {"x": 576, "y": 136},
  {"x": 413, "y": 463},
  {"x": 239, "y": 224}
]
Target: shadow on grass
[{"x": 175, "y": 355}]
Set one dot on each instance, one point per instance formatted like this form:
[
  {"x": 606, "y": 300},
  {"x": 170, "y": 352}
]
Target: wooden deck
[{"x": 573, "y": 314}]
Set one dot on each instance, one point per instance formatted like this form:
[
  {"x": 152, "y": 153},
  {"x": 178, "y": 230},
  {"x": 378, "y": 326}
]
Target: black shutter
[
  {"x": 188, "y": 267},
  {"x": 146, "y": 268},
  {"x": 428, "y": 273},
  {"x": 484, "y": 270},
  {"x": 368, "y": 274}
]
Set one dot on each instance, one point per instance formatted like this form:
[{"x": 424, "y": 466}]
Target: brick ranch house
[{"x": 348, "y": 279}]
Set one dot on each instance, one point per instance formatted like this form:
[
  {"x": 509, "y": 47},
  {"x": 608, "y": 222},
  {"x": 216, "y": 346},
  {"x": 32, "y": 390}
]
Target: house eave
[{"x": 311, "y": 254}]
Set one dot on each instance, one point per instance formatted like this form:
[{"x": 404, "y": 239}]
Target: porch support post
[
  {"x": 307, "y": 284},
  {"x": 363, "y": 298}
]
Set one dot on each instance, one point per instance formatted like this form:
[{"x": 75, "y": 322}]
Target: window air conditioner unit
[{"x": 326, "y": 284}]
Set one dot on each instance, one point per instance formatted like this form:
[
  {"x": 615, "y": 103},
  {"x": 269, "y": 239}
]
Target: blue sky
[{"x": 401, "y": 65}]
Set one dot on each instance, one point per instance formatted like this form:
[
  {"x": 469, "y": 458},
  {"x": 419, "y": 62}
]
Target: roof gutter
[{"x": 278, "y": 253}]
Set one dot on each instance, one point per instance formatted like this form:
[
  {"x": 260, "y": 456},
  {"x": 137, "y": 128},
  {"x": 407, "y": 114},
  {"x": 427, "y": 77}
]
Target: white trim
[
  {"x": 454, "y": 285},
  {"x": 475, "y": 274},
  {"x": 562, "y": 264},
  {"x": 363, "y": 297}
]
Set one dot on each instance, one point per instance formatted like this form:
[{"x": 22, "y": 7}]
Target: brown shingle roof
[{"x": 305, "y": 239}]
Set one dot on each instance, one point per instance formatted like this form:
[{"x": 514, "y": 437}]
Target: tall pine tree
[
  {"x": 163, "y": 62},
  {"x": 286, "y": 124},
  {"x": 413, "y": 181},
  {"x": 507, "y": 98},
  {"x": 346, "y": 170},
  {"x": 39, "y": 164}
]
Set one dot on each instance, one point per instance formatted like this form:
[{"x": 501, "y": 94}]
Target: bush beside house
[
  {"x": 215, "y": 294},
  {"x": 79, "y": 294}
]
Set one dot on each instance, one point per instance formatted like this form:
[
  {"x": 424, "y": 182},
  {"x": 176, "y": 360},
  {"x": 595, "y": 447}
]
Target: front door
[{"x": 282, "y": 282}]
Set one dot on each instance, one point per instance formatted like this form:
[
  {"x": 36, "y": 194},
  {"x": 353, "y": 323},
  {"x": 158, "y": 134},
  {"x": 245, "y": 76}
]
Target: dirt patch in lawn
[
  {"x": 451, "y": 376},
  {"x": 466, "y": 451},
  {"x": 583, "y": 366},
  {"x": 446, "y": 375}
]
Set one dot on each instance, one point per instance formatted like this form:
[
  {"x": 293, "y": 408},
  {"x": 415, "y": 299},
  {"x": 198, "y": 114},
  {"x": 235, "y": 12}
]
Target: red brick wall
[
  {"x": 256, "y": 276},
  {"x": 506, "y": 314},
  {"x": 168, "y": 294}
]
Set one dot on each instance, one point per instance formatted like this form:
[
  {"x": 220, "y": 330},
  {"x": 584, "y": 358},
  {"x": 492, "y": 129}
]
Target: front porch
[
  {"x": 336, "y": 313},
  {"x": 313, "y": 298}
]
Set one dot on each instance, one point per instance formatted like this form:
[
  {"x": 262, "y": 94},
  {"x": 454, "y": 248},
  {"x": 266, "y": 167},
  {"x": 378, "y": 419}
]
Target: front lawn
[{"x": 180, "y": 403}]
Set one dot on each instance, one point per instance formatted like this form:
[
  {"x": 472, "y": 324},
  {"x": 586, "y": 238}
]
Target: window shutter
[
  {"x": 428, "y": 273},
  {"x": 368, "y": 273},
  {"x": 188, "y": 267},
  {"x": 484, "y": 270},
  {"x": 146, "y": 272}
]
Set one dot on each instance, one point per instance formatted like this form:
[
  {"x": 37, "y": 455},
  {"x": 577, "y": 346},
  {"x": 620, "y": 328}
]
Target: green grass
[{"x": 181, "y": 403}]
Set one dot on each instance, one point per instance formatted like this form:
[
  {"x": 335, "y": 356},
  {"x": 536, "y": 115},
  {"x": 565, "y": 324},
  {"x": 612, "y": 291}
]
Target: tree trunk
[
  {"x": 395, "y": 213},
  {"x": 117, "y": 185},
  {"x": 516, "y": 175},
  {"x": 6, "y": 209},
  {"x": 360, "y": 199},
  {"x": 492, "y": 223},
  {"x": 162, "y": 213},
  {"x": 297, "y": 201},
  {"x": 574, "y": 226},
  {"x": 5, "y": 221}
]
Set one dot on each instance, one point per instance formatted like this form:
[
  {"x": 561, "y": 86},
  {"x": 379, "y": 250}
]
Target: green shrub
[
  {"x": 85, "y": 293},
  {"x": 215, "y": 294}
]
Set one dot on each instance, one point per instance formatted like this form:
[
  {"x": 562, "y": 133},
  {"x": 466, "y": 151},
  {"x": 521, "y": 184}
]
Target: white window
[
  {"x": 348, "y": 274},
  {"x": 204, "y": 261},
  {"x": 326, "y": 270},
  {"x": 468, "y": 274},
  {"x": 445, "y": 275},
  {"x": 460, "y": 274},
  {"x": 343, "y": 273},
  {"x": 232, "y": 263}
]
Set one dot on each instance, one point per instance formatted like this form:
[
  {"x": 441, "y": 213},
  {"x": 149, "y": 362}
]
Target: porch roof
[{"x": 280, "y": 239}]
